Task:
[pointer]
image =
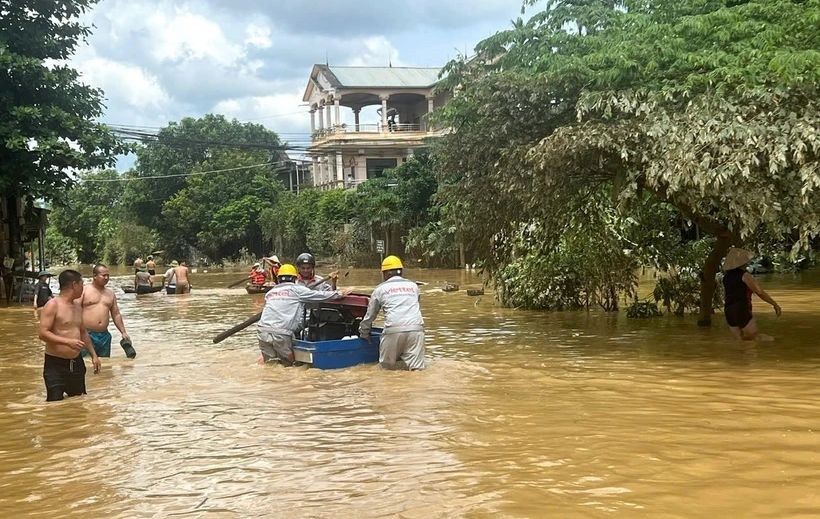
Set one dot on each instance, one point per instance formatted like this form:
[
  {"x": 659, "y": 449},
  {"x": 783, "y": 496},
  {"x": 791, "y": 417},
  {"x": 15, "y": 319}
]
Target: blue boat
[
  {"x": 323, "y": 344},
  {"x": 340, "y": 353}
]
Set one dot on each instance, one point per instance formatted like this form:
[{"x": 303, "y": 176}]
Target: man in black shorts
[{"x": 61, "y": 328}]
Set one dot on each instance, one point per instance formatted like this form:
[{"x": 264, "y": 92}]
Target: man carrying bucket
[
  {"x": 403, "y": 335},
  {"x": 283, "y": 313}
]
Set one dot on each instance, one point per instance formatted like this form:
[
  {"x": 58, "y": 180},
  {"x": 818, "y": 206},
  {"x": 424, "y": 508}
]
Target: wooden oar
[
  {"x": 239, "y": 282},
  {"x": 239, "y": 327}
]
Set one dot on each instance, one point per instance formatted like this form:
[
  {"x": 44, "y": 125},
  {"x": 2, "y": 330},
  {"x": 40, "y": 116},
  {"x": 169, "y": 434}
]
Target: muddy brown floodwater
[{"x": 520, "y": 414}]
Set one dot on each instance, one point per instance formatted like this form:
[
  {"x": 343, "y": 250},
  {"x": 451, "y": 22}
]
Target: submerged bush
[
  {"x": 643, "y": 310},
  {"x": 577, "y": 275}
]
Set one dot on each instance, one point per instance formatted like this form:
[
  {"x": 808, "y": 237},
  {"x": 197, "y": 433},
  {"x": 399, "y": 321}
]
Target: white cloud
[
  {"x": 185, "y": 36},
  {"x": 123, "y": 84},
  {"x": 162, "y": 60},
  {"x": 257, "y": 35},
  {"x": 276, "y": 110},
  {"x": 375, "y": 51}
]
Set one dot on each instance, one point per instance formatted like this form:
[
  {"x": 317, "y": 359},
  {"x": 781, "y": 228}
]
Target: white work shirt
[
  {"x": 285, "y": 306},
  {"x": 399, "y": 298}
]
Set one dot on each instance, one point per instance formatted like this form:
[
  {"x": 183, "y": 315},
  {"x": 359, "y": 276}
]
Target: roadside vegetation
[{"x": 594, "y": 139}]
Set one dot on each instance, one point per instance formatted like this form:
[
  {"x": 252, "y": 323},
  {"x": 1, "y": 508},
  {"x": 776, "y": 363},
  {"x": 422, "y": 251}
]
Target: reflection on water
[{"x": 520, "y": 414}]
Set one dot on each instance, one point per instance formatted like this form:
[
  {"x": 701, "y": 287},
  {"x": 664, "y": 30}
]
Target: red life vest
[{"x": 257, "y": 278}]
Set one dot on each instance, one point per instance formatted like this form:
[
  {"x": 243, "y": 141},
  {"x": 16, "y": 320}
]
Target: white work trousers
[{"x": 407, "y": 347}]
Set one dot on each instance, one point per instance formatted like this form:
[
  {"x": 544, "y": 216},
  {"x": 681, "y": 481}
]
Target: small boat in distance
[
  {"x": 257, "y": 289},
  {"x": 141, "y": 289}
]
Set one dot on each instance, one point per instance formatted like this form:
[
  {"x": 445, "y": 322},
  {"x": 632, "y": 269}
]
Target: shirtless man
[
  {"x": 138, "y": 264},
  {"x": 183, "y": 283},
  {"x": 151, "y": 265},
  {"x": 61, "y": 328},
  {"x": 98, "y": 304}
]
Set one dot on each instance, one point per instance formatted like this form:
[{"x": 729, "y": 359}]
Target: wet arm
[
  {"x": 757, "y": 289},
  {"x": 89, "y": 346},
  {"x": 116, "y": 316},
  {"x": 372, "y": 311}
]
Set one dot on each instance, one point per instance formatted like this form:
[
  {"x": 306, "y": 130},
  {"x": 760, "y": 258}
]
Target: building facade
[
  {"x": 23, "y": 222},
  {"x": 347, "y": 147}
]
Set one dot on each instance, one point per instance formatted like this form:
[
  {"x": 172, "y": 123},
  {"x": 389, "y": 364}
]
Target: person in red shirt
[{"x": 257, "y": 275}]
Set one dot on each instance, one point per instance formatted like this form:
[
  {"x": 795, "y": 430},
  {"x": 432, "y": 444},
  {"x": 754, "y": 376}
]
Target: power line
[{"x": 129, "y": 179}]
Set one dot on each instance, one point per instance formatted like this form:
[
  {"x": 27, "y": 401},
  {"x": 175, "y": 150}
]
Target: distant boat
[
  {"x": 257, "y": 289},
  {"x": 142, "y": 289}
]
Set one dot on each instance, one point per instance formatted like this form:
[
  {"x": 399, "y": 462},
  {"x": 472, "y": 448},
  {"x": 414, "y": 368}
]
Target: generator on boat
[
  {"x": 330, "y": 337},
  {"x": 333, "y": 320}
]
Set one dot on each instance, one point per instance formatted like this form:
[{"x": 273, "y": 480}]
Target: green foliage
[
  {"x": 345, "y": 223},
  {"x": 642, "y": 310},
  {"x": 678, "y": 285},
  {"x": 435, "y": 243},
  {"x": 188, "y": 146},
  {"x": 706, "y": 107},
  {"x": 60, "y": 249},
  {"x": 47, "y": 115},
  {"x": 586, "y": 265},
  {"x": 87, "y": 213},
  {"x": 126, "y": 241}
]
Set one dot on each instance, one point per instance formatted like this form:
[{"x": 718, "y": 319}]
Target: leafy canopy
[
  {"x": 709, "y": 106},
  {"x": 47, "y": 114}
]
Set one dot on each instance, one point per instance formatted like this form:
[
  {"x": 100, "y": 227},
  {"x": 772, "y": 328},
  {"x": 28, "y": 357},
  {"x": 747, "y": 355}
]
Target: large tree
[
  {"x": 47, "y": 114},
  {"x": 173, "y": 188},
  {"x": 709, "y": 106},
  {"x": 86, "y": 213}
]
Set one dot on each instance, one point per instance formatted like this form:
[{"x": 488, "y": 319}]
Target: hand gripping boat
[{"x": 323, "y": 344}]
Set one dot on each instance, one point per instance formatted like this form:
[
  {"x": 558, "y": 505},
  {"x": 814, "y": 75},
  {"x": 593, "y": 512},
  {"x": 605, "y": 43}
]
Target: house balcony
[{"x": 372, "y": 135}]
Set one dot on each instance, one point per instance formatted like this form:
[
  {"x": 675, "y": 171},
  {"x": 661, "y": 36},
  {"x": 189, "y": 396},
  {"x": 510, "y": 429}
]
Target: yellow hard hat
[
  {"x": 391, "y": 263},
  {"x": 287, "y": 270}
]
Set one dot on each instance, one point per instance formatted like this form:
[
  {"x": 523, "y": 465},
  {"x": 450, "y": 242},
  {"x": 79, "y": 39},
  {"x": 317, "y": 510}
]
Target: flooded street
[{"x": 520, "y": 414}]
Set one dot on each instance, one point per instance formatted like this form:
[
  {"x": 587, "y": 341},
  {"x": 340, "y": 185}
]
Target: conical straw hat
[{"x": 737, "y": 258}]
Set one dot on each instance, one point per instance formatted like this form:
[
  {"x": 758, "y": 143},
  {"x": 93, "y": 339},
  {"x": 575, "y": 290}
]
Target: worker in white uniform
[
  {"x": 402, "y": 341},
  {"x": 283, "y": 314}
]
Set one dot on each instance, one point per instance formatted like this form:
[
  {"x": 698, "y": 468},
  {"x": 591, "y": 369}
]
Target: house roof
[
  {"x": 395, "y": 77},
  {"x": 376, "y": 77}
]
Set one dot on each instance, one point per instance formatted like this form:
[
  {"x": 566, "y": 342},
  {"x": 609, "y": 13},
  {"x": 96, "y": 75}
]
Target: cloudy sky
[{"x": 161, "y": 60}]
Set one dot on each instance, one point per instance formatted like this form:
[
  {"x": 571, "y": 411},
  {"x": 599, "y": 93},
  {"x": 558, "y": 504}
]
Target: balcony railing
[{"x": 367, "y": 128}]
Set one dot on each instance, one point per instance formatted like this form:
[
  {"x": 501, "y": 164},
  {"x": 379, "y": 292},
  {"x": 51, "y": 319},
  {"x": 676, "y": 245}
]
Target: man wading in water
[
  {"x": 182, "y": 273},
  {"x": 99, "y": 302},
  {"x": 61, "y": 328},
  {"x": 151, "y": 265},
  {"x": 283, "y": 313},
  {"x": 403, "y": 336},
  {"x": 739, "y": 286}
]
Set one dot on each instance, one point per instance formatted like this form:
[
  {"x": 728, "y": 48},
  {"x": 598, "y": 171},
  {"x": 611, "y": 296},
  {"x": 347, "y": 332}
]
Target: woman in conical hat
[{"x": 739, "y": 286}]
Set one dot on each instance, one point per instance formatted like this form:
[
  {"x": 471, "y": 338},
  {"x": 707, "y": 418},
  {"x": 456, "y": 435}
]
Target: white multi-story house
[{"x": 346, "y": 150}]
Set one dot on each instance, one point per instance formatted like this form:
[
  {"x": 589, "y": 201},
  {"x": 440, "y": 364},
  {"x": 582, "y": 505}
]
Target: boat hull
[
  {"x": 340, "y": 353},
  {"x": 141, "y": 290},
  {"x": 257, "y": 289}
]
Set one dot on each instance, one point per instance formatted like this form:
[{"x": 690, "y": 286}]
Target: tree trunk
[{"x": 708, "y": 284}]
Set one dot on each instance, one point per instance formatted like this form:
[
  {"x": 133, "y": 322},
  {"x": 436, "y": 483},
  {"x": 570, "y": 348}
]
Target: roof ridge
[{"x": 377, "y": 66}]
